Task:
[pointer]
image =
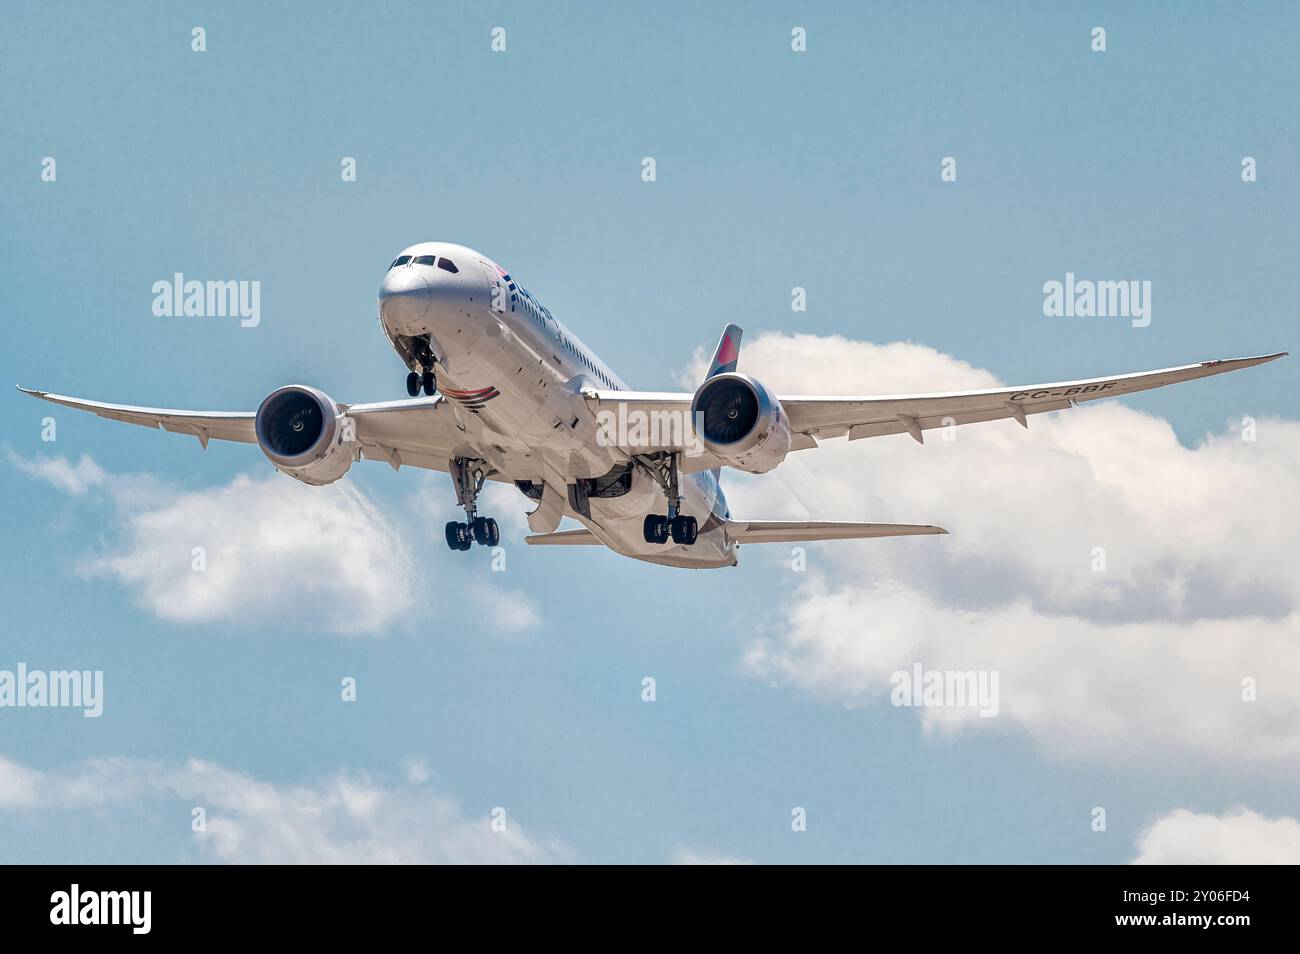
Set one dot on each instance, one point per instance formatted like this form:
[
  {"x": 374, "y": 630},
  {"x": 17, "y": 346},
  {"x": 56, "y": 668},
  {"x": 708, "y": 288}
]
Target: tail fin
[
  {"x": 728, "y": 350},
  {"x": 724, "y": 360}
]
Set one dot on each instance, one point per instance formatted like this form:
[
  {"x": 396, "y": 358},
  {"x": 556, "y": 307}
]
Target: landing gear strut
[
  {"x": 679, "y": 526},
  {"x": 468, "y": 475}
]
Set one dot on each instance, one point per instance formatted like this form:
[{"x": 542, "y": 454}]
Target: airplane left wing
[
  {"x": 858, "y": 417},
  {"x": 815, "y": 418}
]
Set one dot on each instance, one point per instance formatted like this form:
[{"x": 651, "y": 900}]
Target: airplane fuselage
[{"x": 513, "y": 376}]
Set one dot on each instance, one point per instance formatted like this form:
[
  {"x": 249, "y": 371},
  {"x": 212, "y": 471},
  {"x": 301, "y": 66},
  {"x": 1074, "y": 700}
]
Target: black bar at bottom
[{"x": 335, "y": 904}]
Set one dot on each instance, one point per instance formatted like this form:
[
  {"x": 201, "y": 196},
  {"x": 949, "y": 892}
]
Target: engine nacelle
[
  {"x": 742, "y": 422},
  {"x": 305, "y": 435}
]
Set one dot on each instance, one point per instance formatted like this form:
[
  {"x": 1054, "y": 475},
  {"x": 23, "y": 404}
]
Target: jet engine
[
  {"x": 305, "y": 435},
  {"x": 742, "y": 422}
]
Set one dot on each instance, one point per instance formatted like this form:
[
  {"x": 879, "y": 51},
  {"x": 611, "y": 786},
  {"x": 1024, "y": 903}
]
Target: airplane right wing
[
  {"x": 814, "y": 418},
  {"x": 417, "y": 432},
  {"x": 221, "y": 425},
  {"x": 806, "y": 531},
  {"x": 858, "y": 417}
]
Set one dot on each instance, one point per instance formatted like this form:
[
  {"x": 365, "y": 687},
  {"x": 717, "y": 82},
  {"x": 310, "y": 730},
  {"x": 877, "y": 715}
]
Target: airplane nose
[{"x": 404, "y": 297}]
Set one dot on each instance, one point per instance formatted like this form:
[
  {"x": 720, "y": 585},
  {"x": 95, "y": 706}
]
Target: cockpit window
[
  {"x": 425, "y": 259},
  {"x": 448, "y": 265},
  {"x": 400, "y": 260}
]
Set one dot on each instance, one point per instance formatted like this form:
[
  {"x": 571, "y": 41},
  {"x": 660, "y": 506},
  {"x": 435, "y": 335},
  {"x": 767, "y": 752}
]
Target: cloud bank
[
  {"x": 257, "y": 550},
  {"x": 1240, "y": 837},
  {"x": 346, "y": 818},
  {"x": 1124, "y": 586}
]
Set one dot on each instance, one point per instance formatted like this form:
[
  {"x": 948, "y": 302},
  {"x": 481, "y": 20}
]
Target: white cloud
[
  {"x": 1241, "y": 837},
  {"x": 811, "y": 364},
  {"x": 347, "y": 818},
  {"x": 1200, "y": 587},
  {"x": 278, "y": 552},
  {"x": 508, "y": 610},
  {"x": 275, "y": 550},
  {"x": 272, "y": 550},
  {"x": 416, "y": 771},
  {"x": 691, "y": 856},
  {"x": 19, "y": 786},
  {"x": 75, "y": 479},
  {"x": 1195, "y": 532},
  {"x": 1103, "y": 690}
]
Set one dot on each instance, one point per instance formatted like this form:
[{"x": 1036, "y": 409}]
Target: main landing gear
[
  {"x": 414, "y": 382},
  {"x": 658, "y": 528},
  {"x": 468, "y": 475}
]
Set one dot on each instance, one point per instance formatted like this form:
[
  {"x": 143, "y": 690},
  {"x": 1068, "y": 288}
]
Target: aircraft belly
[
  {"x": 531, "y": 424},
  {"x": 619, "y": 522}
]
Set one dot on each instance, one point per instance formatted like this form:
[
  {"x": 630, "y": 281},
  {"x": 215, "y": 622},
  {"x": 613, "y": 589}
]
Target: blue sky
[{"x": 774, "y": 170}]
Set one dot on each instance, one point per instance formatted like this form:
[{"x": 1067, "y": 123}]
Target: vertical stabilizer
[{"x": 728, "y": 350}]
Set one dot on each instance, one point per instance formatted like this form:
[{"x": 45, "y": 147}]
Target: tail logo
[{"x": 727, "y": 352}]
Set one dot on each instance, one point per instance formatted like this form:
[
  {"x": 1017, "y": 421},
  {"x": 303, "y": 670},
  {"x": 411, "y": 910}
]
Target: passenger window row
[
  {"x": 540, "y": 314},
  {"x": 586, "y": 362}
]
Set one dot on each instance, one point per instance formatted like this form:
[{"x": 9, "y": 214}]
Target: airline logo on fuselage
[{"x": 470, "y": 400}]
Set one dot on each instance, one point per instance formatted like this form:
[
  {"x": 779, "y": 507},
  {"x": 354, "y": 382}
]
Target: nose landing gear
[
  {"x": 419, "y": 356},
  {"x": 468, "y": 476},
  {"x": 416, "y": 381}
]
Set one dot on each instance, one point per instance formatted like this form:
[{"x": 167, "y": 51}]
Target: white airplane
[{"x": 512, "y": 395}]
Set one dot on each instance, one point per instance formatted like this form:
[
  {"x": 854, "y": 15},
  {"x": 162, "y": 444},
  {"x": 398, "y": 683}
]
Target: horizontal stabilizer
[
  {"x": 806, "y": 531},
  {"x": 564, "y": 538}
]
